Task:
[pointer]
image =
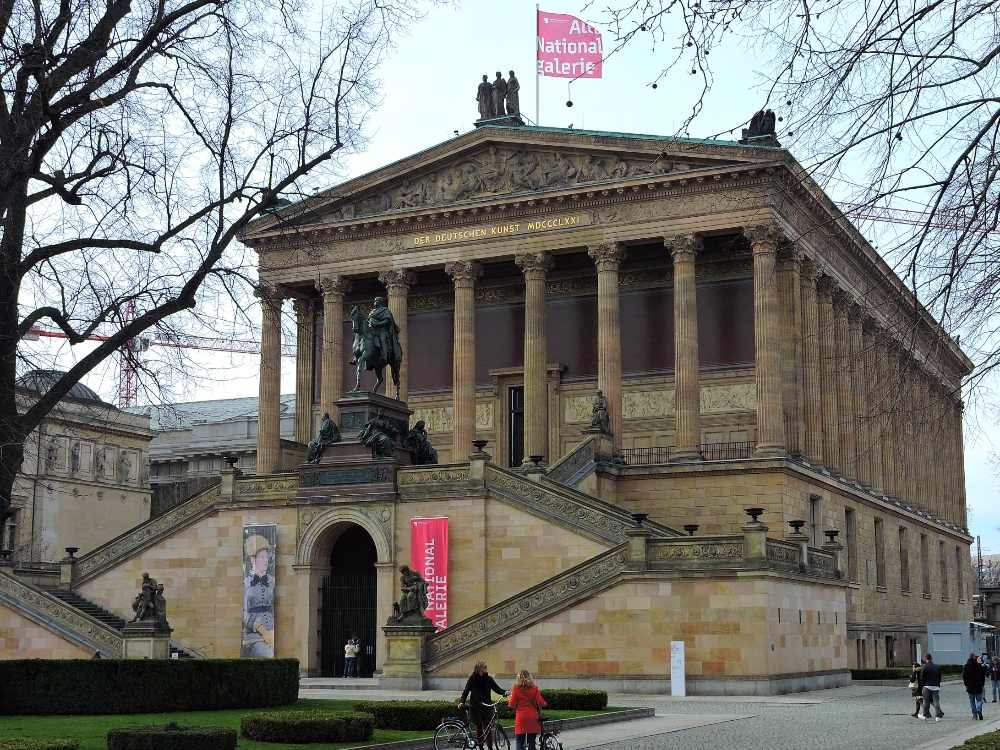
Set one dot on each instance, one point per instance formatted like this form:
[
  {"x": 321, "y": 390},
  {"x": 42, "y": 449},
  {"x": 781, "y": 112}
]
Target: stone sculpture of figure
[
  {"x": 145, "y": 472},
  {"x": 599, "y": 417},
  {"x": 412, "y": 600},
  {"x": 160, "y": 605},
  {"x": 74, "y": 458},
  {"x": 762, "y": 124},
  {"x": 484, "y": 95},
  {"x": 513, "y": 88},
  {"x": 379, "y": 435},
  {"x": 124, "y": 466},
  {"x": 421, "y": 451},
  {"x": 144, "y": 604},
  {"x": 328, "y": 435},
  {"x": 51, "y": 453},
  {"x": 100, "y": 460},
  {"x": 499, "y": 94}
]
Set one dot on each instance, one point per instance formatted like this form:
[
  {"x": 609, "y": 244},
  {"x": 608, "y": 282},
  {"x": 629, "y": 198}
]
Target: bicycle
[
  {"x": 455, "y": 732},
  {"x": 549, "y": 740}
]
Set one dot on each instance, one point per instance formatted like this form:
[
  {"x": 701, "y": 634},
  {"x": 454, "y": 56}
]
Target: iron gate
[{"x": 348, "y": 608}]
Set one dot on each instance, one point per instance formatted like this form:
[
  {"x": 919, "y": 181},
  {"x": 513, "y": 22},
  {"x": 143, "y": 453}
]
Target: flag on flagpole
[{"x": 567, "y": 47}]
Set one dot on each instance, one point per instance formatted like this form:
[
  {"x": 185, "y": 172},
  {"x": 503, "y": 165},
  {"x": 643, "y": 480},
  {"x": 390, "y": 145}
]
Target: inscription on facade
[
  {"x": 492, "y": 231},
  {"x": 345, "y": 476}
]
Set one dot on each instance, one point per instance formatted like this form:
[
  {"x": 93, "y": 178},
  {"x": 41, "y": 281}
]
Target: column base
[
  {"x": 687, "y": 455},
  {"x": 770, "y": 450},
  {"x": 147, "y": 639}
]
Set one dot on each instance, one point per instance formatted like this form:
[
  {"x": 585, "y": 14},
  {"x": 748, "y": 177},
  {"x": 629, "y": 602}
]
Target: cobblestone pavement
[{"x": 875, "y": 720}]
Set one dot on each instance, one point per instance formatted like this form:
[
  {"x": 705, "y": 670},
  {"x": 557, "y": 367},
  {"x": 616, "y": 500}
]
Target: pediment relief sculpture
[{"x": 505, "y": 171}]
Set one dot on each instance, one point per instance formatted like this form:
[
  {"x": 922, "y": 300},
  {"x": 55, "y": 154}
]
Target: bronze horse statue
[{"x": 368, "y": 354}]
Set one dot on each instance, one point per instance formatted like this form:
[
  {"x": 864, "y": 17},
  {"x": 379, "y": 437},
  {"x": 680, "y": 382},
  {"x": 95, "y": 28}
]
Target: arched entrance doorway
[{"x": 348, "y": 603}]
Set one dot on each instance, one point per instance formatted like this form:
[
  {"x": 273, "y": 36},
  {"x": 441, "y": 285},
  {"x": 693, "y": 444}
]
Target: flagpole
[{"x": 537, "y": 75}]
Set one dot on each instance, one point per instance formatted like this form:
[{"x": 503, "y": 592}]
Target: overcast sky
[{"x": 429, "y": 93}]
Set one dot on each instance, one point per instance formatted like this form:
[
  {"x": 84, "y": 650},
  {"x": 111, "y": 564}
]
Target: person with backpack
[
  {"x": 527, "y": 702},
  {"x": 930, "y": 683}
]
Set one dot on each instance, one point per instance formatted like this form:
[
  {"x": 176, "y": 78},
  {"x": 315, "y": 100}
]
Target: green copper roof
[{"x": 640, "y": 136}]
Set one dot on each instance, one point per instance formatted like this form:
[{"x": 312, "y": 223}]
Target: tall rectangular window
[
  {"x": 879, "y": 554},
  {"x": 9, "y": 540},
  {"x": 515, "y": 426},
  {"x": 904, "y": 561},
  {"x": 925, "y": 564},
  {"x": 960, "y": 573},
  {"x": 815, "y": 520},
  {"x": 943, "y": 565},
  {"x": 850, "y": 545}
]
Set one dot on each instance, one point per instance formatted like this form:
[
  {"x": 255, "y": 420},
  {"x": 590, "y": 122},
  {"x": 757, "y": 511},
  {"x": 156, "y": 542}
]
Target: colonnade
[{"x": 834, "y": 389}]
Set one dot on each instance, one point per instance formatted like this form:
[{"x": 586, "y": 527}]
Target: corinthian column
[
  {"x": 535, "y": 267},
  {"x": 305, "y": 347},
  {"x": 812, "y": 401},
  {"x": 269, "y": 395},
  {"x": 958, "y": 465},
  {"x": 332, "y": 372},
  {"x": 687, "y": 386},
  {"x": 789, "y": 300},
  {"x": 825, "y": 287},
  {"x": 871, "y": 427},
  {"x": 767, "y": 337},
  {"x": 397, "y": 285},
  {"x": 464, "y": 274},
  {"x": 608, "y": 257},
  {"x": 845, "y": 399},
  {"x": 859, "y": 390}
]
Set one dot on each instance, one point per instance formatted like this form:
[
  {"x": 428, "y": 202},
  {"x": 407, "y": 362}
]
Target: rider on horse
[
  {"x": 385, "y": 333},
  {"x": 376, "y": 344}
]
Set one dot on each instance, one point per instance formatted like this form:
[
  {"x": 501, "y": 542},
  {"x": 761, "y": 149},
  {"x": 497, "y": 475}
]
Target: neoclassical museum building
[{"x": 756, "y": 353}]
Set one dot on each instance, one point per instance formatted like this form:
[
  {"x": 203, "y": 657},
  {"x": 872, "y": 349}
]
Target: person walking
[
  {"x": 995, "y": 677},
  {"x": 974, "y": 677},
  {"x": 351, "y": 656},
  {"x": 527, "y": 702},
  {"x": 930, "y": 683},
  {"x": 479, "y": 689},
  {"x": 916, "y": 688}
]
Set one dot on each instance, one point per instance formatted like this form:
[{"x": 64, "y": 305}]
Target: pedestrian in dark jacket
[
  {"x": 916, "y": 689},
  {"x": 479, "y": 689},
  {"x": 995, "y": 678},
  {"x": 930, "y": 681},
  {"x": 974, "y": 677}
]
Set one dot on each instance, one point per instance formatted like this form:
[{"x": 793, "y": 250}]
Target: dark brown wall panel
[
  {"x": 431, "y": 349},
  {"x": 571, "y": 330},
  {"x": 725, "y": 323},
  {"x": 499, "y": 339},
  {"x": 647, "y": 324}
]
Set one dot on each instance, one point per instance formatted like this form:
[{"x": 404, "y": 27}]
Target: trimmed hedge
[
  {"x": 141, "y": 686},
  {"x": 407, "y": 716},
  {"x": 171, "y": 737},
  {"x": 575, "y": 700},
  {"x": 901, "y": 673},
  {"x": 301, "y": 727},
  {"x": 27, "y": 744}
]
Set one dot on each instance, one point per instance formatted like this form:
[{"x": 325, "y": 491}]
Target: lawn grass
[
  {"x": 92, "y": 730},
  {"x": 988, "y": 741}
]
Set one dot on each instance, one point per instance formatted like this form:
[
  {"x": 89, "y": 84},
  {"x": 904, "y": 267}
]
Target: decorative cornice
[
  {"x": 464, "y": 272},
  {"x": 607, "y": 256},
  {"x": 397, "y": 281},
  {"x": 684, "y": 247}
]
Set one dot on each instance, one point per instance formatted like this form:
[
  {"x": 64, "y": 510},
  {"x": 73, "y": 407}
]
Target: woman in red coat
[{"x": 528, "y": 702}]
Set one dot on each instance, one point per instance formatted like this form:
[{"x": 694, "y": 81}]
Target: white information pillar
[{"x": 677, "y": 686}]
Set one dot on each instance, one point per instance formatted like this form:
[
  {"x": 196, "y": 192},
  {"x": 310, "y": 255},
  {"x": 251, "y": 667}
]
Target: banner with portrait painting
[{"x": 258, "y": 591}]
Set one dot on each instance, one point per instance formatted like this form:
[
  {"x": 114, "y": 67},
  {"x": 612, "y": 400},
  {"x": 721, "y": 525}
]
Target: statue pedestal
[
  {"x": 507, "y": 121},
  {"x": 147, "y": 639},
  {"x": 403, "y": 668},
  {"x": 348, "y": 466}
]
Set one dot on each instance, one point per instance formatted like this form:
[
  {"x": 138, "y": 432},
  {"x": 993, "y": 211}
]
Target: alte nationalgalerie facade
[{"x": 755, "y": 352}]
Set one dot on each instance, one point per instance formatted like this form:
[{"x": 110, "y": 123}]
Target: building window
[
  {"x": 904, "y": 561},
  {"x": 8, "y": 540},
  {"x": 925, "y": 564},
  {"x": 943, "y": 564},
  {"x": 960, "y": 573},
  {"x": 515, "y": 424},
  {"x": 879, "y": 554},
  {"x": 815, "y": 520},
  {"x": 850, "y": 545}
]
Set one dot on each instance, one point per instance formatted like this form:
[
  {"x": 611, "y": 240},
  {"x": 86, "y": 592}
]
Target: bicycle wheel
[
  {"x": 451, "y": 737},
  {"x": 500, "y": 739},
  {"x": 550, "y": 742}
]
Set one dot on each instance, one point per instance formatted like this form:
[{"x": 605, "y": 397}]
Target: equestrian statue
[{"x": 376, "y": 344}]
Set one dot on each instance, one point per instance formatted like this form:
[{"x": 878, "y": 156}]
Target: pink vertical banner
[
  {"x": 429, "y": 557},
  {"x": 567, "y": 47}
]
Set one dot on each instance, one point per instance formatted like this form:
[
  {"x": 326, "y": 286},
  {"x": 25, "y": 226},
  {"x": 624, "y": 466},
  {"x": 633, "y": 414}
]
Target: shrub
[
  {"x": 575, "y": 700},
  {"x": 408, "y": 716},
  {"x": 139, "y": 686},
  {"x": 171, "y": 737},
  {"x": 26, "y": 744},
  {"x": 300, "y": 727},
  {"x": 881, "y": 674}
]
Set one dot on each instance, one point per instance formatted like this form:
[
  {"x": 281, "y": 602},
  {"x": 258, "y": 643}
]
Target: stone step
[{"x": 338, "y": 683}]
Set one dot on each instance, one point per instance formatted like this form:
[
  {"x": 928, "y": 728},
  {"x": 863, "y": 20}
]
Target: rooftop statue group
[
  {"x": 500, "y": 98},
  {"x": 376, "y": 344},
  {"x": 149, "y": 604}
]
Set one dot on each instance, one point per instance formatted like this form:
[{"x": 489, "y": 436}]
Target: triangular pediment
[{"x": 484, "y": 166}]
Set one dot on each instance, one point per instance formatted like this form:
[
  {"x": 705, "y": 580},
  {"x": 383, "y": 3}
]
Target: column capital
[
  {"x": 535, "y": 264},
  {"x": 789, "y": 257},
  {"x": 810, "y": 271},
  {"x": 826, "y": 286},
  {"x": 870, "y": 325},
  {"x": 332, "y": 285},
  {"x": 268, "y": 294},
  {"x": 607, "y": 256},
  {"x": 843, "y": 301},
  {"x": 304, "y": 307},
  {"x": 464, "y": 272},
  {"x": 397, "y": 281},
  {"x": 856, "y": 313},
  {"x": 684, "y": 247},
  {"x": 765, "y": 237}
]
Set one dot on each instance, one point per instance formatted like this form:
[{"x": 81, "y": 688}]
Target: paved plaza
[{"x": 855, "y": 718}]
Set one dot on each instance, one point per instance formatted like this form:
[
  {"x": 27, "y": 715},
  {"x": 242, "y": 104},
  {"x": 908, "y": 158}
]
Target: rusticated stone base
[
  {"x": 404, "y": 656},
  {"x": 147, "y": 640}
]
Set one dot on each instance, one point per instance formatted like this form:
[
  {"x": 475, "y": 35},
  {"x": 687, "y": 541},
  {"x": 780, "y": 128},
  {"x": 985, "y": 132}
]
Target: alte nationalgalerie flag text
[{"x": 567, "y": 47}]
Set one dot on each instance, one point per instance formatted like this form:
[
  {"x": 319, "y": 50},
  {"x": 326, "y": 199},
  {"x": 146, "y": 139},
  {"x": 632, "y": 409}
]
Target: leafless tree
[
  {"x": 892, "y": 103},
  {"x": 138, "y": 139}
]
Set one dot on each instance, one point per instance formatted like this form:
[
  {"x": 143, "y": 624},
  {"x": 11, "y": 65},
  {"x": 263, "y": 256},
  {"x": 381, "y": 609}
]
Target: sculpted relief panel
[
  {"x": 441, "y": 418},
  {"x": 505, "y": 171},
  {"x": 661, "y": 403}
]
